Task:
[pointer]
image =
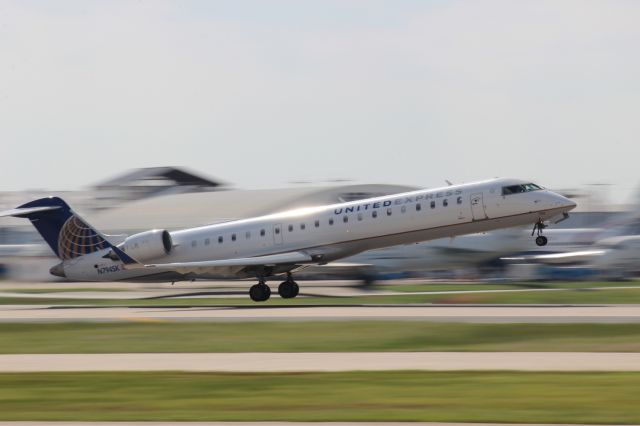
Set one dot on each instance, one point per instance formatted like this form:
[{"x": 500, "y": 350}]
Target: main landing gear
[
  {"x": 288, "y": 289},
  {"x": 261, "y": 292},
  {"x": 541, "y": 240}
]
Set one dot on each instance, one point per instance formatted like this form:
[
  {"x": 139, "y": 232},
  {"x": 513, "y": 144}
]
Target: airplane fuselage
[{"x": 332, "y": 232}]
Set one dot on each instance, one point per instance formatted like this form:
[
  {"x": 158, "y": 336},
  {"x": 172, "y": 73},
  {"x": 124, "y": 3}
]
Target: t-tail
[{"x": 68, "y": 235}]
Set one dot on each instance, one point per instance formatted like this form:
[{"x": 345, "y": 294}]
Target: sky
[{"x": 263, "y": 93}]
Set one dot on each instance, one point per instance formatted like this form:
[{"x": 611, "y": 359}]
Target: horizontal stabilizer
[{"x": 25, "y": 211}]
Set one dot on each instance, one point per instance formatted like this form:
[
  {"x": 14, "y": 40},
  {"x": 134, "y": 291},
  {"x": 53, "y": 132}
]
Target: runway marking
[{"x": 321, "y": 362}]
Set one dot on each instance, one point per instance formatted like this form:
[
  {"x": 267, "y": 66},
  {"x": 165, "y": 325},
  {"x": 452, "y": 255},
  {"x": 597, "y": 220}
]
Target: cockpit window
[{"x": 517, "y": 189}]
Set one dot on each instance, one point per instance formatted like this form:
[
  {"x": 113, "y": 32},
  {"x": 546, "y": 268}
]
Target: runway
[
  {"x": 436, "y": 313},
  {"x": 322, "y": 362}
]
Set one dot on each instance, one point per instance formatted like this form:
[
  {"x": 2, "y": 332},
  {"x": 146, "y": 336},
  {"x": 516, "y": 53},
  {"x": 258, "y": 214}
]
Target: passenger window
[
  {"x": 220, "y": 240},
  {"x": 445, "y": 202},
  {"x": 302, "y": 226},
  {"x": 389, "y": 211},
  {"x": 359, "y": 216},
  {"x": 277, "y": 230},
  {"x": 262, "y": 232},
  {"x": 207, "y": 241},
  {"x": 418, "y": 207},
  {"x": 433, "y": 204},
  {"x": 317, "y": 223},
  {"x": 403, "y": 209},
  {"x": 459, "y": 201},
  {"x": 290, "y": 228},
  {"x": 345, "y": 219},
  {"x": 247, "y": 235},
  {"x": 374, "y": 213},
  {"x": 331, "y": 221},
  {"x": 194, "y": 243},
  {"x": 233, "y": 237}
]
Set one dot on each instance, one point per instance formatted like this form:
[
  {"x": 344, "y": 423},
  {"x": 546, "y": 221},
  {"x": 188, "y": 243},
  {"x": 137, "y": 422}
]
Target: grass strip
[
  {"x": 510, "y": 397},
  {"x": 314, "y": 336}
]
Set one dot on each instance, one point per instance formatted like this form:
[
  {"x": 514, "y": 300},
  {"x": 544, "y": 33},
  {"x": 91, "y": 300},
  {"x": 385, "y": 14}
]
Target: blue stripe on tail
[{"x": 66, "y": 233}]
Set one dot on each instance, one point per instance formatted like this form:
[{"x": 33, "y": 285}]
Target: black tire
[
  {"x": 285, "y": 290},
  {"x": 255, "y": 293},
  {"x": 260, "y": 292},
  {"x": 288, "y": 289},
  {"x": 541, "y": 240}
]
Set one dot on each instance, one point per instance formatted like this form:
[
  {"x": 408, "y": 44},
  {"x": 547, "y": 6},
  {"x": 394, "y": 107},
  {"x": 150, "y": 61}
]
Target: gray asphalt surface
[
  {"x": 473, "y": 314},
  {"x": 322, "y": 362}
]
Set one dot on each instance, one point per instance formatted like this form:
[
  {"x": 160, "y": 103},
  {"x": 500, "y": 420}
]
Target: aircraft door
[
  {"x": 477, "y": 207},
  {"x": 277, "y": 233}
]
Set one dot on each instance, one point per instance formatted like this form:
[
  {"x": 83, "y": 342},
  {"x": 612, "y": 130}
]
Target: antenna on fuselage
[{"x": 448, "y": 182}]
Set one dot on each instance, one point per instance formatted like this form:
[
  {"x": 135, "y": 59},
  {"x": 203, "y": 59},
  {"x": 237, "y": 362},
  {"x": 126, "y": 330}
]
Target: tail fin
[{"x": 67, "y": 234}]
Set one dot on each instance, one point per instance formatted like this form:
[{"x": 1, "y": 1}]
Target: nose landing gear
[{"x": 541, "y": 240}]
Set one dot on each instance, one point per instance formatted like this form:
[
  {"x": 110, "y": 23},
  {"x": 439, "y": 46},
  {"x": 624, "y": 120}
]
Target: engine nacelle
[{"x": 148, "y": 245}]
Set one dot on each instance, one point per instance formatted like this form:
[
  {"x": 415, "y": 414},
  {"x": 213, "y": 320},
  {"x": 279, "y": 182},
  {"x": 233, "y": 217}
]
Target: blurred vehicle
[
  {"x": 474, "y": 251},
  {"x": 620, "y": 257}
]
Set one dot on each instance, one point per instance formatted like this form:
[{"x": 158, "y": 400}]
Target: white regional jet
[{"x": 288, "y": 241}]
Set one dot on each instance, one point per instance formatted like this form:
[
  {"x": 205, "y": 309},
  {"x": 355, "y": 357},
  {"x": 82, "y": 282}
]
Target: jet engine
[{"x": 148, "y": 245}]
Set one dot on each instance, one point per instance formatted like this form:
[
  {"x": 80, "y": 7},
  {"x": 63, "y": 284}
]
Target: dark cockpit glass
[{"x": 517, "y": 189}]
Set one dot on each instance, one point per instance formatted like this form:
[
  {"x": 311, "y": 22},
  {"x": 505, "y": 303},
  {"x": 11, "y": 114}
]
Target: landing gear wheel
[
  {"x": 288, "y": 289},
  {"x": 260, "y": 292},
  {"x": 541, "y": 240}
]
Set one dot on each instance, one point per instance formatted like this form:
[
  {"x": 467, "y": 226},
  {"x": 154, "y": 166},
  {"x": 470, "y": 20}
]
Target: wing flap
[{"x": 230, "y": 265}]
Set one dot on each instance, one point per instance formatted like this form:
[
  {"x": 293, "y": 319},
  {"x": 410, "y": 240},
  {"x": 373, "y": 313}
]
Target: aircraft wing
[{"x": 230, "y": 266}]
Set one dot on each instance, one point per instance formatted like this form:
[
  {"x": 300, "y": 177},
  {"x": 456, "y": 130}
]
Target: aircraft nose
[
  {"x": 564, "y": 202},
  {"x": 57, "y": 270},
  {"x": 569, "y": 204}
]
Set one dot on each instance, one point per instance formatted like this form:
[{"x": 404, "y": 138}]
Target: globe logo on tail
[{"x": 76, "y": 238}]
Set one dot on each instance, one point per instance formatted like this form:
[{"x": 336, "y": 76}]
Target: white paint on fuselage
[{"x": 340, "y": 230}]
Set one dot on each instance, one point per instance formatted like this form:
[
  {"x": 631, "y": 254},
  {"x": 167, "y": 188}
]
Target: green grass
[
  {"x": 513, "y": 397},
  {"x": 314, "y": 336}
]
